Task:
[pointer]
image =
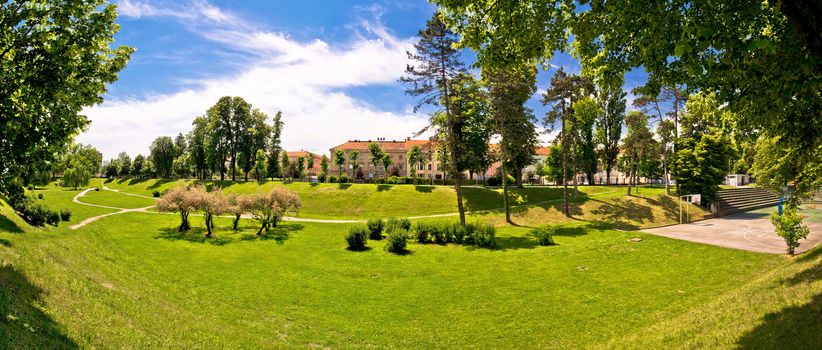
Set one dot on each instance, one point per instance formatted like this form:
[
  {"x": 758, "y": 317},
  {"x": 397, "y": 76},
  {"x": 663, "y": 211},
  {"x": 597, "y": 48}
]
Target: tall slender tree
[
  {"x": 509, "y": 89},
  {"x": 609, "y": 126},
  {"x": 274, "y": 148},
  {"x": 339, "y": 160},
  {"x": 435, "y": 64},
  {"x": 376, "y": 155},
  {"x": 197, "y": 146},
  {"x": 564, "y": 91},
  {"x": 162, "y": 154}
]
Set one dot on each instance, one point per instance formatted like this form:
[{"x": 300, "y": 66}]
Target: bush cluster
[
  {"x": 344, "y": 178},
  {"x": 397, "y": 240},
  {"x": 375, "y": 228},
  {"x": 155, "y": 193},
  {"x": 394, "y": 223},
  {"x": 36, "y": 214},
  {"x": 443, "y": 233},
  {"x": 65, "y": 215},
  {"x": 322, "y": 177},
  {"x": 357, "y": 237},
  {"x": 332, "y": 179},
  {"x": 543, "y": 235}
]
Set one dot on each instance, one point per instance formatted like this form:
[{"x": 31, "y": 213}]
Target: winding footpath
[{"x": 87, "y": 221}]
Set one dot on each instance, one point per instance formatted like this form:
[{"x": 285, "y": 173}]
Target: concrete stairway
[{"x": 744, "y": 199}]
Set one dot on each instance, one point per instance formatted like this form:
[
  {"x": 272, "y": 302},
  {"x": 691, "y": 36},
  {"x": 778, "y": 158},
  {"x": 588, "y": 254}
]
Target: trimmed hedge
[{"x": 443, "y": 233}]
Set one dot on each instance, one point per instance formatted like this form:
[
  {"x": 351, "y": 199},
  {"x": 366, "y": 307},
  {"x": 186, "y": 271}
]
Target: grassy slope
[
  {"x": 139, "y": 284},
  {"x": 536, "y": 204},
  {"x": 131, "y": 281}
]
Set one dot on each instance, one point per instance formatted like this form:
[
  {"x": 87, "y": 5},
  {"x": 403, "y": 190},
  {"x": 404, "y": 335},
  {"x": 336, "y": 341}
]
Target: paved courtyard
[{"x": 751, "y": 231}]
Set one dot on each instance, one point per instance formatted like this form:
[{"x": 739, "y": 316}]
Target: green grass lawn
[{"x": 131, "y": 281}]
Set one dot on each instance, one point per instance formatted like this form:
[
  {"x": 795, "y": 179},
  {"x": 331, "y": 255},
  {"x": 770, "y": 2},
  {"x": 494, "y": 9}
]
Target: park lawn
[
  {"x": 117, "y": 200},
  {"x": 362, "y": 201},
  {"x": 58, "y": 198},
  {"x": 131, "y": 280}
]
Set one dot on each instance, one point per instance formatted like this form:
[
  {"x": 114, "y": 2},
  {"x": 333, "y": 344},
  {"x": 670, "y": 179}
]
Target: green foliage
[
  {"x": 789, "y": 227},
  {"x": 393, "y": 180},
  {"x": 65, "y": 214},
  {"x": 397, "y": 224},
  {"x": 396, "y": 241},
  {"x": 481, "y": 235},
  {"x": 703, "y": 150},
  {"x": 357, "y": 238},
  {"x": 587, "y": 111},
  {"x": 344, "y": 178},
  {"x": 771, "y": 49},
  {"x": 76, "y": 178},
  {"x": 609, "y": 127},
  {"x": 543, "y": 235},
  {"x": 375, "y": 228},
  {"x": 56, "y": 59},
  {"x": 332, "y": 179},
  {"x": 33, "y": 212},
  {"x": 162, "y": 155}
]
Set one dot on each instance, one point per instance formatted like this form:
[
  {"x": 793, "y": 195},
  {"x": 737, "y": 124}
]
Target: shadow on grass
[
  {"x": 797, "y": 327},
  {"x": 515, "y": 242},
  {"x": 423, "y": 188},
  {"x": 383, "y": 187},
  {"x": 344, "y": 186},
  {"x": 5, "y": 243},
  {"x": 358, "y": 250},
  {"x": 223, "y": 236},
  {"x": 7, "y": 225},
  {"x": 314, "y": 184},
  {"x": 23, "y": 325}
]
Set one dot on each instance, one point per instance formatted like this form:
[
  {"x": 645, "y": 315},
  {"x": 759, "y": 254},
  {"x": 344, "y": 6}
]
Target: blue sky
[{"x": 331, "y": 67}]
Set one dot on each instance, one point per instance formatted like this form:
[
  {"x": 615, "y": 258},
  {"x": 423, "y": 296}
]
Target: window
[{"x": 429, "y": 167}]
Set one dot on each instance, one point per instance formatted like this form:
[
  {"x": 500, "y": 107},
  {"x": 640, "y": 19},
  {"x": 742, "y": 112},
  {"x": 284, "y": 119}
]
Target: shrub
[
  {"x": 481, "y": 235},
  {"x": 458, "y": 232},
  {"x": 543, "y": 235},
  {"x": 344, "y": 178},
  {"x": 789, "y": 227},
  {"x": 39, "y": 196},
  {"x": 322, "y": 177},
  {"x": 357, "y": 237},
  {"x": 375, "y": 227},
  {"x": 332, "y": 179},
  {"x": 155, "y": 193},
  {"x": 52, "y": 217},
  {"x": 440, "y": 233},
  {"x": 396, "y": 241},
  {"x": 381, "y": 181},
  {"x": 393, "y": 223},
  {"x": 423, "y": 231},
  {"x": 65, "y": 215},
  {"x": 34, "y": 213},
  {"x": 393, "y": 180}
]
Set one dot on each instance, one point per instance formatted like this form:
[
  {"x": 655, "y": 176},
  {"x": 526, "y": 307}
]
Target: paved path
[
  {"x": 87, "y": 221},
  {"x": 750, "y": 231}
]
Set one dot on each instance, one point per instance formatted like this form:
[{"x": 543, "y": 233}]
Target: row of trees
[
  {"x": 232, "y": 138},
  {"x": 268, "y": 208},
  {"x": 761, "y": 62}
]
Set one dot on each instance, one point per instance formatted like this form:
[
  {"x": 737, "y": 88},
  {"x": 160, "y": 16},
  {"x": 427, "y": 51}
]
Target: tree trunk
[
  {"x": 564, "y": 163},
  {"x": 574, "y": 167},
  {"x": 236, "y": 221},
  {"x": 452, "y": 149},
  {"x": 260, "y": 231},
  {"x": 505, "y": 197},
  {"x": 208, "y": 225},
  {"x": 630, "y": 179},
  {"x": 184, "y": 226},
  {"x": 607, "y": 175}
]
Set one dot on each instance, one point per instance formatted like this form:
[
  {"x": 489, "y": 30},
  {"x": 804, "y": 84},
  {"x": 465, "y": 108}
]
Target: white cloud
[{"x": 303, "y": 80}]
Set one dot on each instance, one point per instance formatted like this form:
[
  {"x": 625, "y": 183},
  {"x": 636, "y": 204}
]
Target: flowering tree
[{"x": 210, "y": 203}]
